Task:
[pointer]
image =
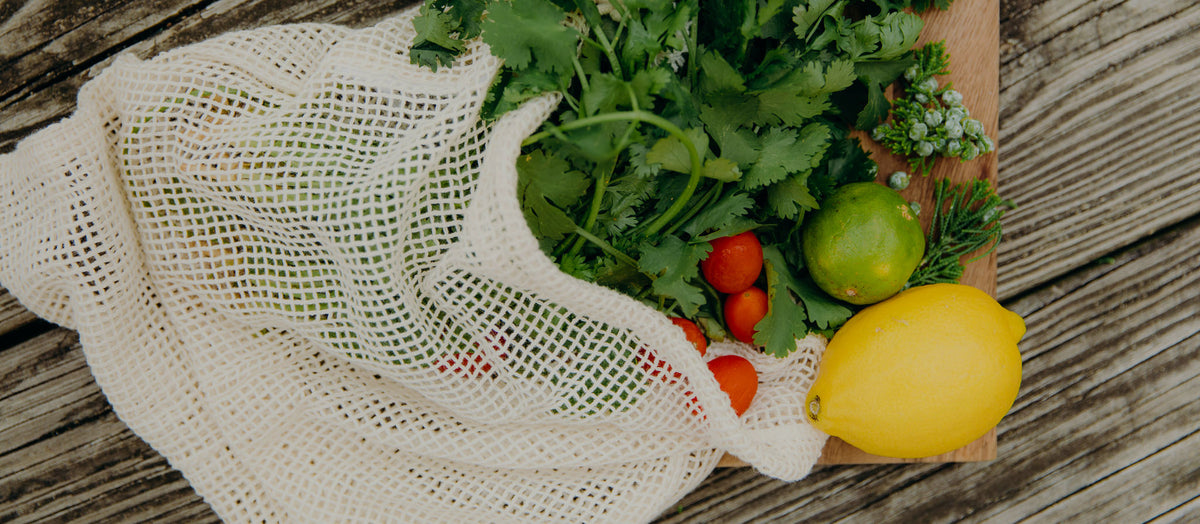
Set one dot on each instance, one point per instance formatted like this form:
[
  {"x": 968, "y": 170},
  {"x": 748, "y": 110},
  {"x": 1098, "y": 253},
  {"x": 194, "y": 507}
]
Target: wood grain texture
[
  {"x": 50, "y": 48},
  {"x": 12, "y": 314},
  {"x": 1098, "y": 130},
  {"x": 64, "y": 454}
]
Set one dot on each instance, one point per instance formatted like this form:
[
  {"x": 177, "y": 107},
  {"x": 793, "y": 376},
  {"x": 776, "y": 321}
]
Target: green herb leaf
[
  {"x": 786, "y": 320},
  {"x": 738, "y": 145},
  {"x": 790, "y": 198},
  {"x": 722, "y": 169},
  {"x": 720, "y": 214},
  {"x": 808, "y": 14},
  {"x": 530, "y": 32},
  {"x": 673, "y": 155},
  {"x": 877, "y": 76},
  {"x": 435, "y": 44},
  {"x": 674, "y": 264},
  {"x": 546, "y": 186},
  {"x": 784, "y": 107},
  {"x": 787, "y": 151},
  {"x": 718, "y": 77}
]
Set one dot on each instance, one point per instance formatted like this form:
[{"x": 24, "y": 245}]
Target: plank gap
[{"x": 25, "y": 332}]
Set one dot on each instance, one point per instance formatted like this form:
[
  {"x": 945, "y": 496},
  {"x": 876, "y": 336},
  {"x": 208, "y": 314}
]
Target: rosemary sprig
[{"x": 966, "y": 219}]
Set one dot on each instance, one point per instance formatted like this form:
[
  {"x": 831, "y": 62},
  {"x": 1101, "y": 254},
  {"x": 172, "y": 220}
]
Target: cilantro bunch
[{"x": 684, "y": 121}]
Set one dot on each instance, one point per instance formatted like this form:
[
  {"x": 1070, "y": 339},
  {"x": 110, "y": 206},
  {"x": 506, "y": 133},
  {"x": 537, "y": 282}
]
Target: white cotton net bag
[{"x": 300, "y": 271}]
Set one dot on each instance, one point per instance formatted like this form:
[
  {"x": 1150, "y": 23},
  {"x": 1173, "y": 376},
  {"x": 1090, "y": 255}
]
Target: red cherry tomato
[
  {"x": 743, "y": 310},
  {"x": 693, "y": 334},
  {"x": 465, "y": 365},
  {"x": 737, "y": 378},
  {"x": 734, "y": 262}
]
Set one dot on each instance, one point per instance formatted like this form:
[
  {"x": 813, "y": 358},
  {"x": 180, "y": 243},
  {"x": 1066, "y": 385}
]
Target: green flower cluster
[{"x": 930, "y": 121}]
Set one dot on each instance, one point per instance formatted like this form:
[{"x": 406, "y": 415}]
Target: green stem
[
  {"x": 583, "y": 80},
  {"x": 606, "y": 247},
  {"x": 592, "y": 15},
  {"x": 693, "y": 59},
  {"x": 649, "y": 118},
  {"x": 697, "y": 207},
  {"x": 597, "y": 199}
]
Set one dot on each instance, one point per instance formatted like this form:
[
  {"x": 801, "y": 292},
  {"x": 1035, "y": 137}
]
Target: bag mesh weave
[{"x": 300, "y": 271}]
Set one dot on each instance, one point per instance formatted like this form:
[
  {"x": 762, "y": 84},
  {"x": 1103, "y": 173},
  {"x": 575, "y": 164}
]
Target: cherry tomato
[
  {"x": 734, "y": 262},
  {"x": 743, "y": 310},
  {"x": 466, "y": 365},
  {"x": 693, "y": 334},
  {"x": 737, "y": 378}
]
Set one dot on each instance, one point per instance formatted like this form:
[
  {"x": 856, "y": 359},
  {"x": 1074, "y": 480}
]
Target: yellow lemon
[{"x": 922, "y": 373}]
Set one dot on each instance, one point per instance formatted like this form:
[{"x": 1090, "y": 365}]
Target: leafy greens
[{"x": 683, "y": 121}]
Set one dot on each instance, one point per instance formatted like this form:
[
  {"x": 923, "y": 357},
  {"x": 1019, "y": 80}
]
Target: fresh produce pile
[{"x": 702, "y": 158}]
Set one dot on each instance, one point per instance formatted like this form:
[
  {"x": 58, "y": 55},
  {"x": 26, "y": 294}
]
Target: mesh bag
[{"x": 300, "y": 271}]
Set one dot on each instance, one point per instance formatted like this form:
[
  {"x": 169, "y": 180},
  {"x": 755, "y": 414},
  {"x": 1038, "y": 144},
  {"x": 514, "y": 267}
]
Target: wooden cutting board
[{"x": 971, "y": 29}]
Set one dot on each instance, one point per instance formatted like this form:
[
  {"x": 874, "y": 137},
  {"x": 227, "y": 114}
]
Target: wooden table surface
[{"x": 1099, "y": 146}]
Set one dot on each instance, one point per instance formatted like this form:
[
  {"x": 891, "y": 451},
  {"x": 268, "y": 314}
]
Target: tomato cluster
[
  {"x": 735, "y": 374},
  {"x": 733, "y": 267}
]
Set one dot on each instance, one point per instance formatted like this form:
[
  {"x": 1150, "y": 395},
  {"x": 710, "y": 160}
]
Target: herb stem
[
  {"x": 697, "y": 207},
  {"x": 649, "y": 118},
  {"x": 606, "y": 247},
  {"x": 579, "y": 72},
  {"x": 592, "y": 15},
  {"x": 597, "y": 199}
]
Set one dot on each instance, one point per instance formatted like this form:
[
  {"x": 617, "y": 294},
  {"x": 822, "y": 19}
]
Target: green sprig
[
  {"x": 931, "y": 121},
  {"x": 966, "y": 219}
]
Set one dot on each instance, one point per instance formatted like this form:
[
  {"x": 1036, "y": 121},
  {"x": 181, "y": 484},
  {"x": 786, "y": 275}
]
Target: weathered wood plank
[
  {"x": 1138, "y": 485},
  {"x": 47, "y": 75},
  {"x": 39, "y": 362},
  {"x": 12, "y": 314},
  {"x": 1187, "y": 512},
  {"x": 1098, "y": 142},
  {"x": 97, "y": 469},
  {"x": 1112, "y": 367},
  {"x": 46, "y": 40},
  {"x": 65, "y": 456}
]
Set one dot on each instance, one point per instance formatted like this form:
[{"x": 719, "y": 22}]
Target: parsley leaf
[
  {"x": 786, "y": 320},
  {"x": 720, "y": 214},
  {"x": 673, "y": 155},
  {"x": 793, "y": 301},
  {"x": 809, "y": 13},
  {"x": 775, "y": 159},
  {"x": 791, "y": 197},
  {"x": 675, "y": 264},
  {"x": 546, "y": 186},
  {"x": 784, "y": 151},
  {"x": 877, "y": 76},
  {"x": 435, "y": 43},
  {"x": 530, "y": 33}
]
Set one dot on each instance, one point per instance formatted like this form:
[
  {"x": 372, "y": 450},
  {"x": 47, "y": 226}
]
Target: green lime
[{"x": 863, "y": 243}]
